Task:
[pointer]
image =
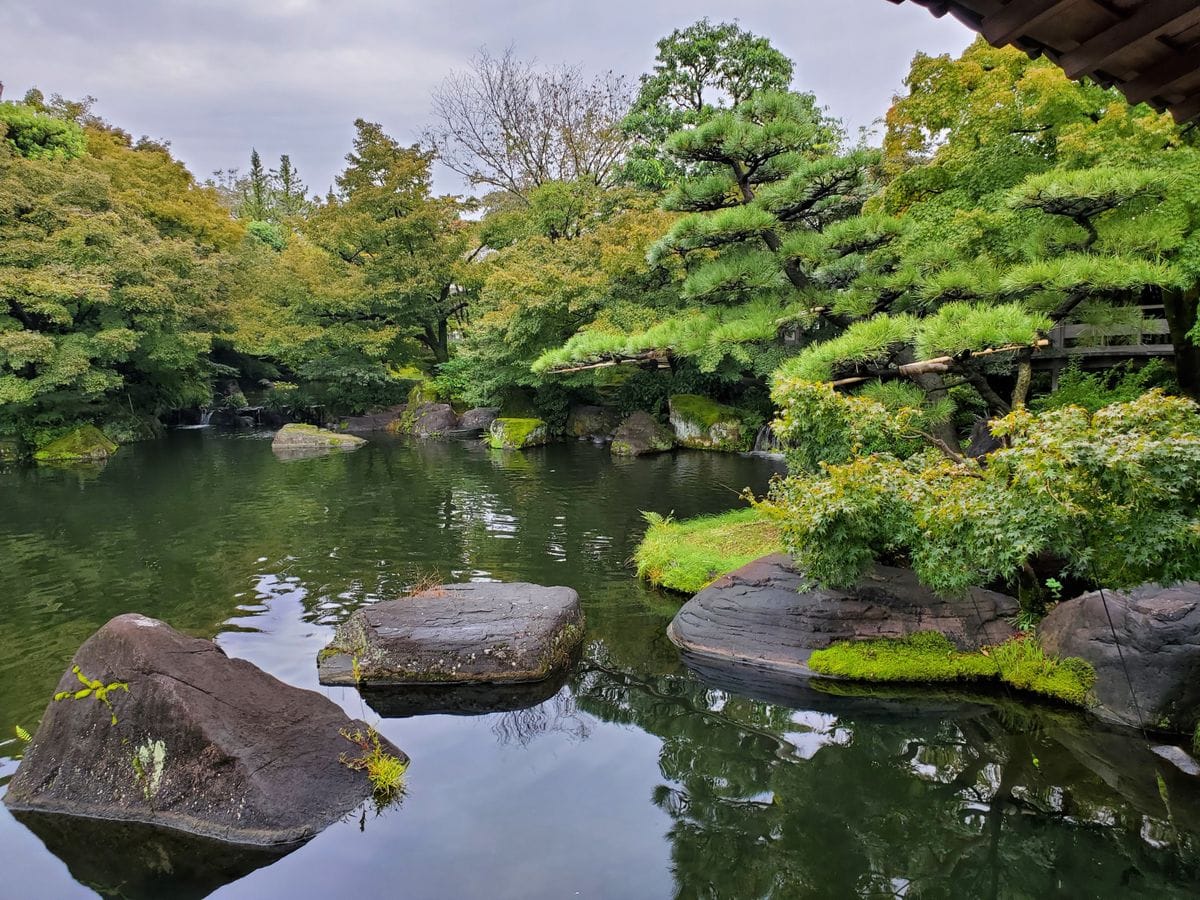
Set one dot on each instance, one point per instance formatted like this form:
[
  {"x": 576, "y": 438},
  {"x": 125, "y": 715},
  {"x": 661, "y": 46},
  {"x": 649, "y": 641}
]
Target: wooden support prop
[{"x": 939, "y": 364}]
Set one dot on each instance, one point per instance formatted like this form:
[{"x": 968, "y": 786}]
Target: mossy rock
[
  {"x": 596, "y": 422},
  {"x": 640, "y": 434},
  {"x": 705, "y": 424},
  {"x": 87, "y": 443},
  {"x": 516, "y": 434},
  {"x": 297, "y": 436}
]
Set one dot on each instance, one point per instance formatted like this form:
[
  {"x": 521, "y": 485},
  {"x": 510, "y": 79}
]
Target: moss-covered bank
[
  {"x": 928, "y": 656},
  {"x": 689, "y": 555}
]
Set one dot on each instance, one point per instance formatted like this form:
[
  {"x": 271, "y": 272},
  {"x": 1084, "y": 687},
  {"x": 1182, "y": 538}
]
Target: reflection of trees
[
  {"x": 558, "y": 714},
  {"x": 767, "y": 801}
]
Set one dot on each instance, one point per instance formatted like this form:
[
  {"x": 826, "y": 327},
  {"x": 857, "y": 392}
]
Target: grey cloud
[{"x": 290, "y": 76}]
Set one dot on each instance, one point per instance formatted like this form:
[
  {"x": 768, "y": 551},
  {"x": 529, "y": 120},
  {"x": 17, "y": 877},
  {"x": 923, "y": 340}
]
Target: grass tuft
[{"x": 687, "y": 556}]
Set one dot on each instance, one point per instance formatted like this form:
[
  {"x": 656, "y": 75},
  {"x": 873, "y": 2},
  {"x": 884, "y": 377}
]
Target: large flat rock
[
  {"x": 222, "y": 749},
  {"x": 457, "y": 634},
  {"x": 763, "y": 616}
]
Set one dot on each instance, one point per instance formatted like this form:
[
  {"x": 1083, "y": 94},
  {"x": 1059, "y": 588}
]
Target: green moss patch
[
  {"x": 514, "y": 434},
  {"x": 689, "y": 555},
  {"x": 928, "y": 656},
  {"x": 83, "y": 443}
]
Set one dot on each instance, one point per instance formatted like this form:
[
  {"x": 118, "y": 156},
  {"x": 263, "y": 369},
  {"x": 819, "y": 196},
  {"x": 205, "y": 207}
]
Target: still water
[{"x": 636, "y": 779}]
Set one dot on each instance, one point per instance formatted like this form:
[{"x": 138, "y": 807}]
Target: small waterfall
[
  {"x": 766, "y": 441},
  {"x": 205, "y": 417}
]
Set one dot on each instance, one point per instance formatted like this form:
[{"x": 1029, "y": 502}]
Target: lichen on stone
[{"x": 516, "y": 434}]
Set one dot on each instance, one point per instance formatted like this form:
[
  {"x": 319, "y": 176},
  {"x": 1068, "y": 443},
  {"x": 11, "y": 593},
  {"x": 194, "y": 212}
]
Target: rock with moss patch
[
  {"x": 157, "y": 727},
  {"x": 595, "y": 423},
  {"x": 87, "y": 443},
  {"x": 457, "y": 634},
  {"x": 1157, "y": 641},
  {"x": 640, "y": 434},
  {"x": 307, "y": 440},
  {"x": 517, "y": 434},
  {"x": 704, "y": 424},
  {"x": 766, "y": 615}
]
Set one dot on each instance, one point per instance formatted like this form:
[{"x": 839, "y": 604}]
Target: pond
[{"x": 636, "y": 779}]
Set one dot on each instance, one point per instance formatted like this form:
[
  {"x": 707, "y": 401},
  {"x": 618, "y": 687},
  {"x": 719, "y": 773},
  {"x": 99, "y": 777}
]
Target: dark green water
[{"x": 637, "y": 779}]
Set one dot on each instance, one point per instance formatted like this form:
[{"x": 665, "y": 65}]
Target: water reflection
[
  {"x": 997, "y": 800},
  {"x": 635, "y": 778}
]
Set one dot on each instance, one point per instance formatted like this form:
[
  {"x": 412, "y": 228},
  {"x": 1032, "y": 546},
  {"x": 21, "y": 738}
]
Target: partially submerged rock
[
  {"x": 152, "y": 726},
  {"x": 516, "y": 434},
  {"x": 427, "y": 420},
  {"x": 759, "y": 616},
  {"x": 1157, "y": 634},
  {"x": 595, "y": 423},
  {"x": 303, "y": 440},
  {"x": 640, "y": 434},
  {"x": 381, "y": 420},
  {"x": 457, "y": 634},
  {"x": 704, "y": 424},
  {"x": 87, "y": 443},
  {"x": 478, "y": 419}
]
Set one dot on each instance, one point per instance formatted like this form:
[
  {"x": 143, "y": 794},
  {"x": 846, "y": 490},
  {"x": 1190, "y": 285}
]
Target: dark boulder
[
  {"x": 640, "y": 434},
  {"x": 229, "y": 418},
  {"x": 457, "y": 634},
  {"x": 478, "y": 420},
  {"x": 382, "y": 420},
  {"x": 592, "y": 422},
  {"x": 764, "y": 615},
  {"x": 180, "y": 736},
  {"x": 1157, "y": 632},
  {"x": 430, "y": 419}
]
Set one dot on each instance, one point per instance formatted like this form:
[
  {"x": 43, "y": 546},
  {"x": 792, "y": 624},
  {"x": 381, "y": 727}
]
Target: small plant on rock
[
  {"x": 385, "y": 771},
  {"x": 93, "y": 688}
]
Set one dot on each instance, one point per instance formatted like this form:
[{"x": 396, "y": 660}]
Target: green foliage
[
  {"x": 34, "y": 134},
  {"x": 1114, "y": 494},
  {"x": 114, "y": 269},
  {"x": 1093, "y": 390},
  {"x": 688, "y": 556},
  {"x": 869, "y": 342},
  {"x": 963, "y": 326},
  {"x": 22, "y": 735},
  {"x": 928, "y": 656},
  {"x": 697, "y": 71}
]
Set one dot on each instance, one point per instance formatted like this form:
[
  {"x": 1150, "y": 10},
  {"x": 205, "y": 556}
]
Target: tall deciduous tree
[{"x": 508, "y": 124}]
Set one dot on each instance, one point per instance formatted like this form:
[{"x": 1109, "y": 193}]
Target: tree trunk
[{"x": 1181, "y": 310}]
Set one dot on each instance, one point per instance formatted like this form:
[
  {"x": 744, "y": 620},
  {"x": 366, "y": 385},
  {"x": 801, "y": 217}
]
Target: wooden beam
[
  {"x": 1151, "y": 18},
  {"x": 1017, "y": 18},
  {"x": 1159, "y": 77},
  {"x": 1187, "y": 109}
]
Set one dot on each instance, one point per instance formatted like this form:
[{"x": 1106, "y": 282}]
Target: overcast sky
[{"x": 216, "y": 77}]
